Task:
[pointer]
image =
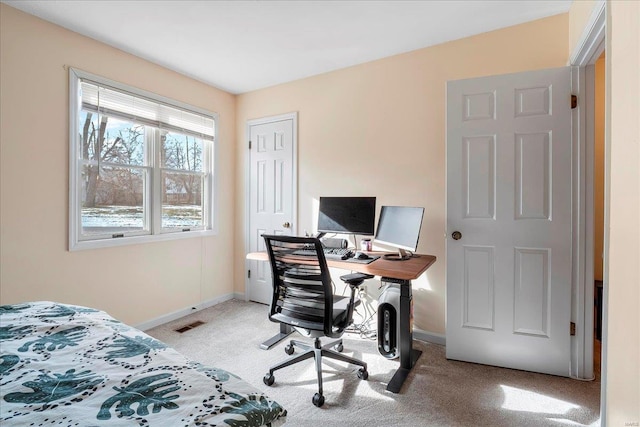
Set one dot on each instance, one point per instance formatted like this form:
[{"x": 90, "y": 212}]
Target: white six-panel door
[
  {"x": 271, "y": 193},
  {"x": 509, "y": 198}
]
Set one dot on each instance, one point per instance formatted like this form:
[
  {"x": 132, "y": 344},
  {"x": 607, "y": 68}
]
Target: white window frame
[{"x": 154, "y": 212}]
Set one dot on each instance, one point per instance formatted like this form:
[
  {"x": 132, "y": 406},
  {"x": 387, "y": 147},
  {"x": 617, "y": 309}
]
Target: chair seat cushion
[{"x": 340, "y": 306}]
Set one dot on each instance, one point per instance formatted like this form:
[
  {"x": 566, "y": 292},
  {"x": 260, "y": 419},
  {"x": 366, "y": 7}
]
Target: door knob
[
  {"x": 456, "y": 235},
  {"x": 286, "y": 225}
]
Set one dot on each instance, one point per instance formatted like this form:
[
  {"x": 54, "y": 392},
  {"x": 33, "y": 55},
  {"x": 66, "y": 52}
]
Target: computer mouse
[{"x": 361, "y": 255}]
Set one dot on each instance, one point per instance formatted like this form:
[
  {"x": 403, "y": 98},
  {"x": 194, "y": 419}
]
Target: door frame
[
  {"x": 587, "y": 50},
  {"x": 247, "y": 183}
]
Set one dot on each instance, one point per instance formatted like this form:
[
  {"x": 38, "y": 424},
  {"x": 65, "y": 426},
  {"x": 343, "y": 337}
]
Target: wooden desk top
[{"x": 407, "y": 270}]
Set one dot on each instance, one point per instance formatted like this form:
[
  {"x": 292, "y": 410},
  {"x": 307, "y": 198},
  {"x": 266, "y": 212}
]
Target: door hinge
[
  {"x": 574, "y": 101},
  {"x": 249, "y": 144},
  {"x": 248, "y": 274},
  {"x": 572, "y": 328}
]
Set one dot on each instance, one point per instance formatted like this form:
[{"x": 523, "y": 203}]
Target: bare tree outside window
[
  {"x": 113, "y": 187},
  {"x": 182, "y": 180}
]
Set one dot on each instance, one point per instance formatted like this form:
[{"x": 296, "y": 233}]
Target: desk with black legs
[{"x": 401, "y": 272}]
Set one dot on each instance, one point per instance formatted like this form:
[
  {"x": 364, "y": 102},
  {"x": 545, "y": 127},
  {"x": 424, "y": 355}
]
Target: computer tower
[{"x": 389, "y": 321}]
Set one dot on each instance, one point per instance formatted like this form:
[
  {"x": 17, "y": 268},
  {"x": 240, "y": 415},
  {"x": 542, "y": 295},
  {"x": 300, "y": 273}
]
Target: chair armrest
[{"x": 355, "y": 279}]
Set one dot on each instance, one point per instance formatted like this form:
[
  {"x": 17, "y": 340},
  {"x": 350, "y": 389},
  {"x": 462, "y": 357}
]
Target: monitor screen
[
  {"x": 399, "y": 226},
  {"x": 347, "y": 215}
]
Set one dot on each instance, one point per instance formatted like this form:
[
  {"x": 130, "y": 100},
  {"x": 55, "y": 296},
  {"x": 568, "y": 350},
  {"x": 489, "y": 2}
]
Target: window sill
[{"x": 134, "y": 240}]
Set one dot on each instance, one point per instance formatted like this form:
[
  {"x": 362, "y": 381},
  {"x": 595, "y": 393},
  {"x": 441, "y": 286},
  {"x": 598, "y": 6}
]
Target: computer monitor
[
  {"x": 347, "y": 215},
  {"x": 399, "y": 226}
]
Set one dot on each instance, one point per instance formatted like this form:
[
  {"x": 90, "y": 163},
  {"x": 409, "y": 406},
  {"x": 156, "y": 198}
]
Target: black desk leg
[
  {"x": 285, "y": 331},
  {"x": 408, "y": 355}
]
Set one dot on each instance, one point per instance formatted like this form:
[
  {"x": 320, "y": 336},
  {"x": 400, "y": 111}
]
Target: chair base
[{"x": 318, "y": 351}]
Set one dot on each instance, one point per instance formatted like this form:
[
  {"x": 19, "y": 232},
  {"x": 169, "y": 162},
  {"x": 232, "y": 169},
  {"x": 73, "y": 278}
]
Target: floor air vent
[{"x": 190, "y": 326}]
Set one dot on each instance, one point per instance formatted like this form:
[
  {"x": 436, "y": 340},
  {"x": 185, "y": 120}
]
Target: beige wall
[
  {"x": 622, "y": 268},
  {"x": 579, "y": 15},
  {"x": 134, "y": 283},
  {"x": 379, "y": 129}
]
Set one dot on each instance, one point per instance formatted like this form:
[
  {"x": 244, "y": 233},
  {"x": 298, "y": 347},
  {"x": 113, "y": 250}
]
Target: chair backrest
[{"x": 302, "y": 290}]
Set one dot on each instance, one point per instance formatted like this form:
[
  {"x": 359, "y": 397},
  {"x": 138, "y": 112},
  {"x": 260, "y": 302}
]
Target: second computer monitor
[
  {"x": 399, "y": 226},
  {"x": 347, "y": 215}
]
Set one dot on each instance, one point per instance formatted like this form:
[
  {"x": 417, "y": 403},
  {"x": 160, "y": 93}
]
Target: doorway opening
[{"x": 598, "y": 207}]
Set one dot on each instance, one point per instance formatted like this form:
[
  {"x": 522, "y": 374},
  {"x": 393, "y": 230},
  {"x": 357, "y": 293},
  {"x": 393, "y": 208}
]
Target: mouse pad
[{"x": 362, "y": 261}]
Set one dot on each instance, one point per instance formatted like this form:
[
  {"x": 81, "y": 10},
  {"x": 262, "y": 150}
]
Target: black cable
[{"x": 363, "y": 328}]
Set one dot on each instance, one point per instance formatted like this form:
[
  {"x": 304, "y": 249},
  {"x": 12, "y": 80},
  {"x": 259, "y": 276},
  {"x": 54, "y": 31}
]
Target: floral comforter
[{"x": 63, "y": 365}]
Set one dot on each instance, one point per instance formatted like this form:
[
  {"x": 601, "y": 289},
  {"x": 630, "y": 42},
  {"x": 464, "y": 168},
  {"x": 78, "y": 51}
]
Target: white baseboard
[
  {"x": 144, "y": 326},
  {"x": 431, "y": 337}
]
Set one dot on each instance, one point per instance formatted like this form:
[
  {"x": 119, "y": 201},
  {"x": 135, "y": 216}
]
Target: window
[{"x": 141, "y": 166}]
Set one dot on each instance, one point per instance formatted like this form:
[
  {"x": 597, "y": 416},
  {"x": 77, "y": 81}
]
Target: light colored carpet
[{"x": 438, "y": 392}]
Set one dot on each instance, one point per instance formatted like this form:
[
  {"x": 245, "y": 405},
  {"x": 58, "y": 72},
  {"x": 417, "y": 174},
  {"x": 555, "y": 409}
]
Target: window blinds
[{"x": 127, "y": 106}]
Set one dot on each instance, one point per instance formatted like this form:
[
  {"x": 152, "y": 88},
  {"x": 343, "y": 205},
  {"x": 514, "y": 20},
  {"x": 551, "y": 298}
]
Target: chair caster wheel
[
  {"x": 339, "y": 348},
  {"x": 268, "y": 379},
  {"x": 289, "y": 349},
  {"x": 362, "y": 374},
  {"x": 318, "y": 400}
]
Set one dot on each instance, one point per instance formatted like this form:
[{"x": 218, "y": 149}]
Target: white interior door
[
  {"x": 271, "y": 193},
  {"x": 509, "y": 197}
]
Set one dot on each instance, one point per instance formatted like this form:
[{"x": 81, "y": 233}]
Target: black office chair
[{"x": 303, "y": 298}]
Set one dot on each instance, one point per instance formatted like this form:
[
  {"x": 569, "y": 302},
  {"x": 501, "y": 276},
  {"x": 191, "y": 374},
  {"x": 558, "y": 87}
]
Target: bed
[{"x": 65, "y": 365}]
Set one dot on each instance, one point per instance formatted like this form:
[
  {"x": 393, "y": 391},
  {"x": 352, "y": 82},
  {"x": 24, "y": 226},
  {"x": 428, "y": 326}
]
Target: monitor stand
[{"x": 402, "y": 255}]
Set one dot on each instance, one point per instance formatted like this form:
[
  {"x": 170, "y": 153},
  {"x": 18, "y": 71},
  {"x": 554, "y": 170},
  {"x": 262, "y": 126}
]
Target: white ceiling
[{"x": 240, "y": 46}]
